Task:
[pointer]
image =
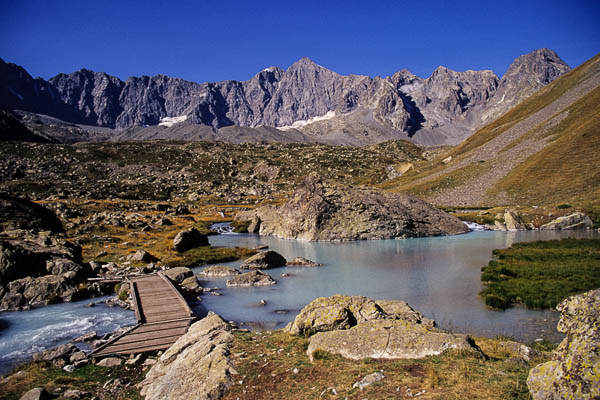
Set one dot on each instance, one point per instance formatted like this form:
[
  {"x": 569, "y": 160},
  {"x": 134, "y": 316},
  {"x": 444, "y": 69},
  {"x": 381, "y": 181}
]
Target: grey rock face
[
  {"x": 445, "y": 107},
  {"x": 525, "y": 75},
  {"x": 319, "y": 210},
  {"x": 197, "y": 366}
]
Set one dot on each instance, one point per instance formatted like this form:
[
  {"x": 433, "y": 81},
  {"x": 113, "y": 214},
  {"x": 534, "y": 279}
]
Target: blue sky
[{"x": 209, "y": 40}]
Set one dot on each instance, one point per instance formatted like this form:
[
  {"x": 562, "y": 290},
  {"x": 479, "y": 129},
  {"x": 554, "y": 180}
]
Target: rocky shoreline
[{"x": 206, "y": 363}]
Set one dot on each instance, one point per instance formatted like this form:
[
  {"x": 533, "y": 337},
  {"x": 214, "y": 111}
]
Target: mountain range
[{"x": 305, "y": 102}]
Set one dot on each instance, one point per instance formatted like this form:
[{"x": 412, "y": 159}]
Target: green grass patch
[
  {"x": 208, "y": 255},
  {"x": 541, "y": 274}
]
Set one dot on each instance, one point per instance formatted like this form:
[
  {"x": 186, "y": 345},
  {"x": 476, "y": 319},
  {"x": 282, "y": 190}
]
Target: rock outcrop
[
  {"x": 323, "y": 211},
  {"x": 196, "y": 367},
  {"x": 357, "y": 327},
  {"x": 252, "y": 278},
  {"x": 343, "y": 312},
  {"x": 576, "y": 220},
  {"x": 264, "y": 260},
  {"x": 574, "y": 372},
  {"x": 388, "y": 339}
]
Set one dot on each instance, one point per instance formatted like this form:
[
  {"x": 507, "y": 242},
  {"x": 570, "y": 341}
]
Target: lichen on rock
[
  {"x": 196, "y": 366},
  {"x": 574, "y": 372}
]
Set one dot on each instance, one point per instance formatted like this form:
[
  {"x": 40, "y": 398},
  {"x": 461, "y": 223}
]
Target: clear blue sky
[{"x": 207, "y": 40}]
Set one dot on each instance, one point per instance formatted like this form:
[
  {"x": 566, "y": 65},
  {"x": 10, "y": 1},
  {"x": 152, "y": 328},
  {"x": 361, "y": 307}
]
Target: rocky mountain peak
[
  {"x": 527, "y": 74},
  {"x": 444, "y": 108}
]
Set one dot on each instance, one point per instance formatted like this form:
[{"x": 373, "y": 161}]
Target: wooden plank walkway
[{"x": 162, "y": 315}]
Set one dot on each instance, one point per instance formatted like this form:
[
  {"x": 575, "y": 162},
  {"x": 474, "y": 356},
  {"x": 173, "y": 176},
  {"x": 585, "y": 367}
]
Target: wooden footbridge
[{"x": 162, "y": 315}]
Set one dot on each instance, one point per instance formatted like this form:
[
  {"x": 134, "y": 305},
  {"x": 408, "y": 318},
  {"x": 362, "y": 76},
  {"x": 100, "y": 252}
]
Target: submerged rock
[
  {"x": 196, "y": 366},
  {"x": 252, "y": 278},
  {"x": 576, "y": 220},
  {"x": 303, "y": 262},
  {"x": 218, "y": 271},
  {"x": 574, "y": 372},
  {"x": 325, "y": 211},
  {"x": 264, "y": 260}
]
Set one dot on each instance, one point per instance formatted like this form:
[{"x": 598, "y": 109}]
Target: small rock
[
  {"x": 178, "y": 274},
  {"x": 69, "y": 368},
  {"x": 86, "y": 337},
  {"x": 304, "y": 262},
  {"x": 368, "y": 380},
  {"x": 142, "y": 256},
  {"x": 252, "y": 278},
  {"x": 264, "y": 260},
  {"x": 295, "y": 371},
  {"x": 37, "y": 394},
  {"x": 109, "y": 362},
  {"x": 77, "y": 356},
  {"x": 74, "y": 394}
]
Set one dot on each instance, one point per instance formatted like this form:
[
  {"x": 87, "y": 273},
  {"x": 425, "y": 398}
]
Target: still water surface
[{"x": 438, "y": 276}]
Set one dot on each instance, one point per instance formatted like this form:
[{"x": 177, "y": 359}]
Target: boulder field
[{"x": 324, "y": 211}]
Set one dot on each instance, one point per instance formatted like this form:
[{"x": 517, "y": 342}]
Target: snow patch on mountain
[
  {"x": 170, "y": 121},
  {"x": 303, "y": 122}
]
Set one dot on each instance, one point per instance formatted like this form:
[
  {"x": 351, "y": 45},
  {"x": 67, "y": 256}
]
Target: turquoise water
[
  {"x": 439, "y": 276},
  {"x": 23, "y": 333}
]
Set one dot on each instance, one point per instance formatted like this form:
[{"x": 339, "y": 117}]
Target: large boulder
[
  {"x": 35, "y": 292},
  {"x": 574, "y": 372},
  {"x": 24, "y": 254},
  {"x": 264, "y": 260},
  {"x": 576, "y": 220},
  {"x": 388, "y": 339},
  {"x": 513, "y": 221},
  {"x": 319, "y": 210},
  {"x": 17, "y": 213},
  {"x": 252, "y": 278},
  {"x": 343, "y": 312},
  {"x": 189, "y": 239},
  {"x": 195, "y": 367}
]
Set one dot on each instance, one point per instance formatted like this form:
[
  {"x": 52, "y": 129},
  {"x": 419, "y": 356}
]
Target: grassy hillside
[{"x": 568, "y": 168}]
